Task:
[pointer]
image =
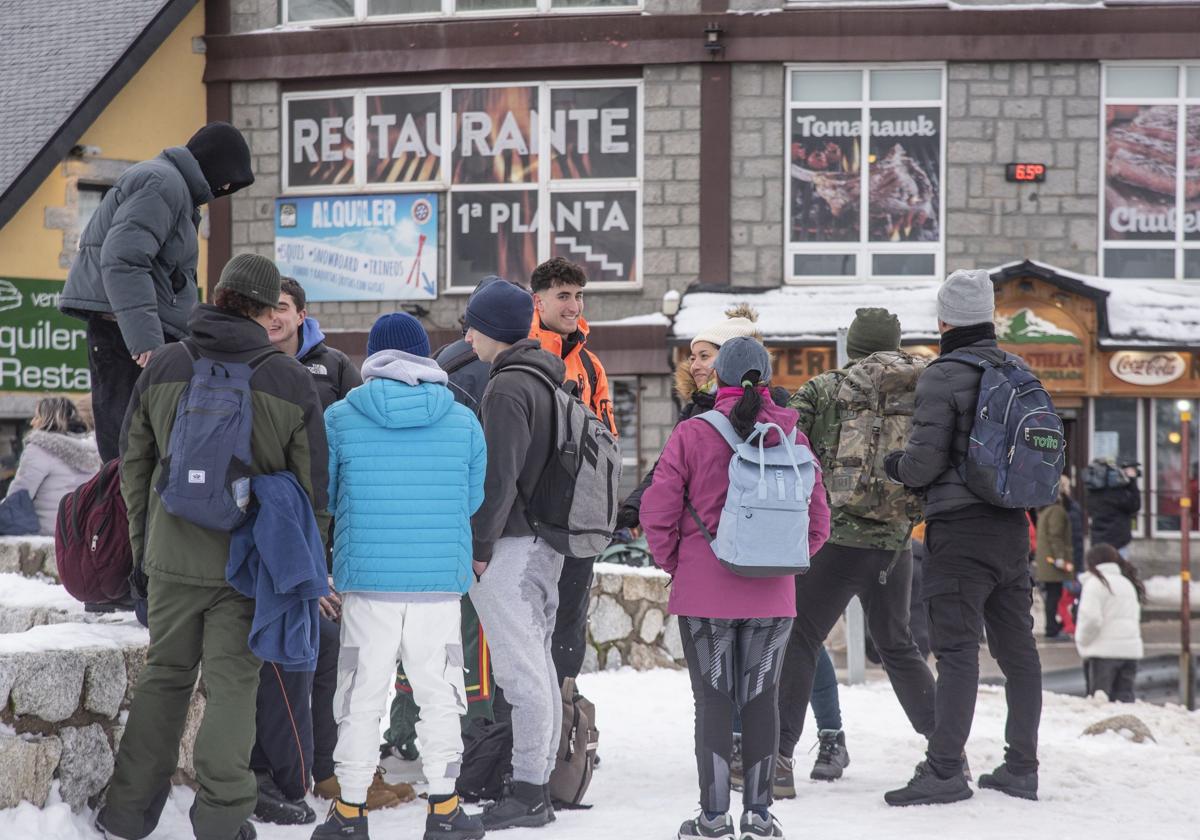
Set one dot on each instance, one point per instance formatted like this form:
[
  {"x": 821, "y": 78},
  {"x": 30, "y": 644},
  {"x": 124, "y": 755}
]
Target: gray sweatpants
[{"x": 516, "y": 599}]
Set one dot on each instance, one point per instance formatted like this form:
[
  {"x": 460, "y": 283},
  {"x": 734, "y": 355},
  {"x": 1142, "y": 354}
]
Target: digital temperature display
[{"x": 1022, "y": 172}]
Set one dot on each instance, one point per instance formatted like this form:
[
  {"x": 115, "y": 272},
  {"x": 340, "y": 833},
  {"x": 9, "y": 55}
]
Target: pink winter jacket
[{"x": 696, "y": 461}]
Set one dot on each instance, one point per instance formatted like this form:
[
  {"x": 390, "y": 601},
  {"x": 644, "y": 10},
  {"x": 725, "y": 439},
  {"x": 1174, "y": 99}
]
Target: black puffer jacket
[
  {"x": 942, "y": 420},
  {"x": 1111, "y": 511}
]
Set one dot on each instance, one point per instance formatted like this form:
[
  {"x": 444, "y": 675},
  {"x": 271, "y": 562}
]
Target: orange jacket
[{"x": 598, "y": 398}]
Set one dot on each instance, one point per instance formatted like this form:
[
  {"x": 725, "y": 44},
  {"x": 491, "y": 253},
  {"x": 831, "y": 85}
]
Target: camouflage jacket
[{"x": 816, "y": 401}]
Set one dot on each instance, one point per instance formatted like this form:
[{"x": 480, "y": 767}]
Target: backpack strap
[
  {"x": 721, "y": 423},
  {"x": 537, "y": 372},
  {"x": 194, "y": 352},
  {"x": 589, "y": 368},
  {"x": 458, "y": 362}
]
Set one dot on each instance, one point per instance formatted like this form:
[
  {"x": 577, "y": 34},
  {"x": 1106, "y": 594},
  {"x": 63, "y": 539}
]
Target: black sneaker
[
  {"x": 832, "y": 756},
  {"x": 753, "y": 827},
  {"x": 549, "y": 801},
  {"x": 456, "y": 825},
  {"x": 700, "y": 828},
  {"x": 274, "y": 807},
  {"x": 340, "y": 827},
  {"x": 520, "y": 805},
  {"x": 245, "y": 832},
  {"x": 737, "y": 774},
  {"x": 927, "y": 788},
  {"x": 783, "y": 785},
  {"x": 1006, "y": 781}
]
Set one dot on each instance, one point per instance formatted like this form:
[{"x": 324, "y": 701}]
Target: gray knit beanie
[
  {"x": 967, "y": 297},
  {"x": 251, "y": 275}
]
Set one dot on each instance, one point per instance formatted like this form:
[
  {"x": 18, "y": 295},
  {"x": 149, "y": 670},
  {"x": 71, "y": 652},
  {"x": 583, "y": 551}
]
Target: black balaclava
[{"x": 224, "y": 157}]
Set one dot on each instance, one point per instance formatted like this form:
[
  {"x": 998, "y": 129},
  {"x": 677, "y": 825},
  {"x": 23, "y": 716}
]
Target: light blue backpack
[{"x": 763, "y": 530}]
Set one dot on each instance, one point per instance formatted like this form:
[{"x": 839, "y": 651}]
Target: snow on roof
[
  {"x": 1149, "y": 313},
  {"x": 653, "y": 319}
]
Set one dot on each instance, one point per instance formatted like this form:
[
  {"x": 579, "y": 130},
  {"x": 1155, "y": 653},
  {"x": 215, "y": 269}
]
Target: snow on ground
[
  {"x": 1093, "y": 787},
  {"x": 115, "y": 634},
  {"x": 1167, "y": 591},
  {"x": 20, "y": 591}
]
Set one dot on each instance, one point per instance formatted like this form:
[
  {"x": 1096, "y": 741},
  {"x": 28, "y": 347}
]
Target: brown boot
[
  {"x": 379, "y": 796},
  {"x": 401, "y": 790}
]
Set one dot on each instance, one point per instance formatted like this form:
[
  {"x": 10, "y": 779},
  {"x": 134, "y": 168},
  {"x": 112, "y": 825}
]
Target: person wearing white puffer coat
[{"x": 1108, "y": 630}]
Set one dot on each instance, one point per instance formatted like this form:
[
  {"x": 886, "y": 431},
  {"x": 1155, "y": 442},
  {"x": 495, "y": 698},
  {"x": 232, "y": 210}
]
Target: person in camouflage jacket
[{"x": 851, "y": 562}]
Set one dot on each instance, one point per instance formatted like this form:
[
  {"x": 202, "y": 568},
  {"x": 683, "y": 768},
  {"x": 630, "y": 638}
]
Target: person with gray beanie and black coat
[
  {"x": 134, "y": 279},
  {"x": 977, "y": 573},
  {"x": 516, "y": 591}
]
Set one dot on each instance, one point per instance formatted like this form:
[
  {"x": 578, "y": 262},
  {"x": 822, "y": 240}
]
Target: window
[
  {"x": 625, "y": 393},
  {"x": 1168, "y": 468},
  {"x": 867, "y": 131},
  {"x": 1150, "y": 214},
  {"x": 90, "y": 196},
  {"x": 1117, "y": 435},
  {"x": 309, "y": 12},
  {"x": 520, "y": 189}
]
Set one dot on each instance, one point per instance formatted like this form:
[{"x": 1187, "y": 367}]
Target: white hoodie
[{"x": 1109, "y": 622}]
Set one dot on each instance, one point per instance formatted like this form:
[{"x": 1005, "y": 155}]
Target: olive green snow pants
[{"x": 192, "y": 628}]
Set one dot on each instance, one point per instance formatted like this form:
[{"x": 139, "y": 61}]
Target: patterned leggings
[{"x": 735, "y": 663}]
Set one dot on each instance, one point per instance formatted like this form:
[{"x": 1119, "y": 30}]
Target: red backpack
[{"x": 91, "y": 538}]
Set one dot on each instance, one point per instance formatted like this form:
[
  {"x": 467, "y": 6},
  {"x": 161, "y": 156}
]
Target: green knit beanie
[
  {"x": 872, "y": 330},
  {"x": 253, "y": 276}
]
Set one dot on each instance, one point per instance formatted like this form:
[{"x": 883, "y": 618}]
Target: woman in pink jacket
[{"x": 735, "y": 629}]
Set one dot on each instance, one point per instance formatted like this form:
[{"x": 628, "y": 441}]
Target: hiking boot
[
  {"x": 753, "y": 827},
  {"x": 832, "y": 756},
  {"x": 104, "y": 832},
  {"x": 702, "y": 828},
  {"x": 380, "y": 794},
  {"x": 344, "y": 822},
  {"x": 927, "y": 788},
  {"x": 1006, "y": 781},
  {"x": 520, "y": 805},
  {"x": 274, "y": 807},
  {"x": 246, "y": 830},
  {"x": 549, "y": 801},
  {"x": 448, "y": 821},
  {"x": 737, "y": 774},
  {"x": 783, "y": 785}
]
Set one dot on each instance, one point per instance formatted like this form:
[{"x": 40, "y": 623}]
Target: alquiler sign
[{"x": 40, "y": 348}]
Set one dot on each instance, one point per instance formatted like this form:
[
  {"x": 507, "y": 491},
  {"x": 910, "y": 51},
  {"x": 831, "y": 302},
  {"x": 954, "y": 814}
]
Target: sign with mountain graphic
[{"x": 1027, "y": 327}]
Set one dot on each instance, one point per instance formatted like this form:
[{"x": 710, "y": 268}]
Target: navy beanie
[
  {"x": 501, "y": 311},
  {"x": 398, "y": 331}
]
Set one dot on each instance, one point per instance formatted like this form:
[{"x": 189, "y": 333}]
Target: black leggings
[{"x": 735, "y": 662}]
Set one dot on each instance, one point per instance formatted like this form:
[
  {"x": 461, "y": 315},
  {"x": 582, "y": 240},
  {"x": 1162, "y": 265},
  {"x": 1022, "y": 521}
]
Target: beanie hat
[
  {"x": 224, "y": 158},
  {"x": 398, "y": 331},
  {"x": 738, "y": 357},
  {"x": 967, "y": 297},
  {"x": 253, "y": 276},
  {"x": 739, "y": 321},
  {"x": 873, "y": 329},
  {"x": 501, "y": 311}
]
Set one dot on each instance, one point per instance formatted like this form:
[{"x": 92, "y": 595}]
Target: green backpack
[{"x": 874, "y": 405}]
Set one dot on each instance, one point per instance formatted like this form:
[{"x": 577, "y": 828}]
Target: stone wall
[
  {"x": 756, "y": 185},
  {"x": 628, "y": 622}
]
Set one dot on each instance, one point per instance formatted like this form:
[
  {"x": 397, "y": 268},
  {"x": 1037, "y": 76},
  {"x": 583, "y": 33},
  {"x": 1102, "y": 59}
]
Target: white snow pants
[{"x": 376, "y": 632}]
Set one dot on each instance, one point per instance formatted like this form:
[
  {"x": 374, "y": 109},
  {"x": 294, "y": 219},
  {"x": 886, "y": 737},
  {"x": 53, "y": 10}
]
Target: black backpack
[{"x": 486, "y": 761}]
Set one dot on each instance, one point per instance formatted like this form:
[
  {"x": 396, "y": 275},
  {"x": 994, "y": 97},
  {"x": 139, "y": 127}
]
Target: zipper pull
[
  {"x": 1012, "y": 451},
  {"x": 95, "y": 539}
]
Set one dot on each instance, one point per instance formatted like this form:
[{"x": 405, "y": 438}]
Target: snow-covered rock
[
  {"x": 609, "y": 621},
  {"x": 26, "y": 769},
  {"x": 49, "y": 684},
  {"x": 105, "y": 683},
  {"x": 86, "y": 764}
]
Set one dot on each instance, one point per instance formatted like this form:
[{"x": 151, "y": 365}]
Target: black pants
[
  {"x": 977, "y": 575},
  {"x": 294, "y": 715},
  {"x": 114, "y": 373},
  {"x": 837, "y": 574},
  {"x": 1052, "y": 594},
  {"x": 1115, "y": 677},
  {"x": 735, "y": 662},
  {"x": 570, "y": 622}
]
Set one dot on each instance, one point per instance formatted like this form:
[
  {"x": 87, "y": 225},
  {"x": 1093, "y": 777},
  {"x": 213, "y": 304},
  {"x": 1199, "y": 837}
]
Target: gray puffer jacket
[
  {"x": 137, "y": 255},
  {"x": 51, "y": 466},
  {"x": 942, "y": 420}
]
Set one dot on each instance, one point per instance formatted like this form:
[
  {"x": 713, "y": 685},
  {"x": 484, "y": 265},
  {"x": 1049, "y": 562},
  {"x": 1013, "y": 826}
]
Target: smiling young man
[
  {"x": 558, "y": 325},
  {"x": 297, "y": 334}
]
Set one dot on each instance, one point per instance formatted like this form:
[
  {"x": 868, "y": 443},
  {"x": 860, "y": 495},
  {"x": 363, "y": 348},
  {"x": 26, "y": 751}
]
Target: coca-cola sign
[{"x": 1147, "y": 368}]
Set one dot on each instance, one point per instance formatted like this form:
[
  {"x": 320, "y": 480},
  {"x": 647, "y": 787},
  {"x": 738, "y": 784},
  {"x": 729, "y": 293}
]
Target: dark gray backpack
[{"x": 205, "y": 476}]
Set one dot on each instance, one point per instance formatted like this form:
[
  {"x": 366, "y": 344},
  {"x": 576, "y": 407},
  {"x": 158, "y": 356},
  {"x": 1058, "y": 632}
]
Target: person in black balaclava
[{"x": 134, "y": 278}]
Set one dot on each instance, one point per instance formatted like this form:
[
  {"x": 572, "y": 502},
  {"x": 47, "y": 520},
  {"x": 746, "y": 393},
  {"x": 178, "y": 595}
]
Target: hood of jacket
[
  {"x": 193, "y": 176},
  {"x": 555, "y": 343},
  {"x": 76, "y": 451},
  {"x": 310, "y": 336},
  {"x": 225, "y": 334},
  {"x": 402, "y": 390},
  {"x": 529, "y": 352}
]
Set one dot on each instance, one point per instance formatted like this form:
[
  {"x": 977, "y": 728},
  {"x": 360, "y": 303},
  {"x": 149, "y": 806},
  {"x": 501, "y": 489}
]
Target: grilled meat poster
[
  {"x": 1141, "y": 172},
  {"x": 904, "y": 175}
]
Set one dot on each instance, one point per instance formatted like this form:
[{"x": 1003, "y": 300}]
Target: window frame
[
  {"x": 1142, "y": 518},
  {"x": 1183, "y": 100},
  {"x": 863, "y": 250},
  {"x": 449, "y": 10},
  {"x": 1152, "y": 472},
  {"x": 545, "y": 186}
]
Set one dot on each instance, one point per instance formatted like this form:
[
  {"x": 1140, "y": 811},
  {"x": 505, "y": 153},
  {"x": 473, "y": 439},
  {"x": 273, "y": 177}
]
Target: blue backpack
[
  {"x": 1017, "y": 449},
  {"x": 763, "y": 530},
  {"x": 205, "y": 476}
]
